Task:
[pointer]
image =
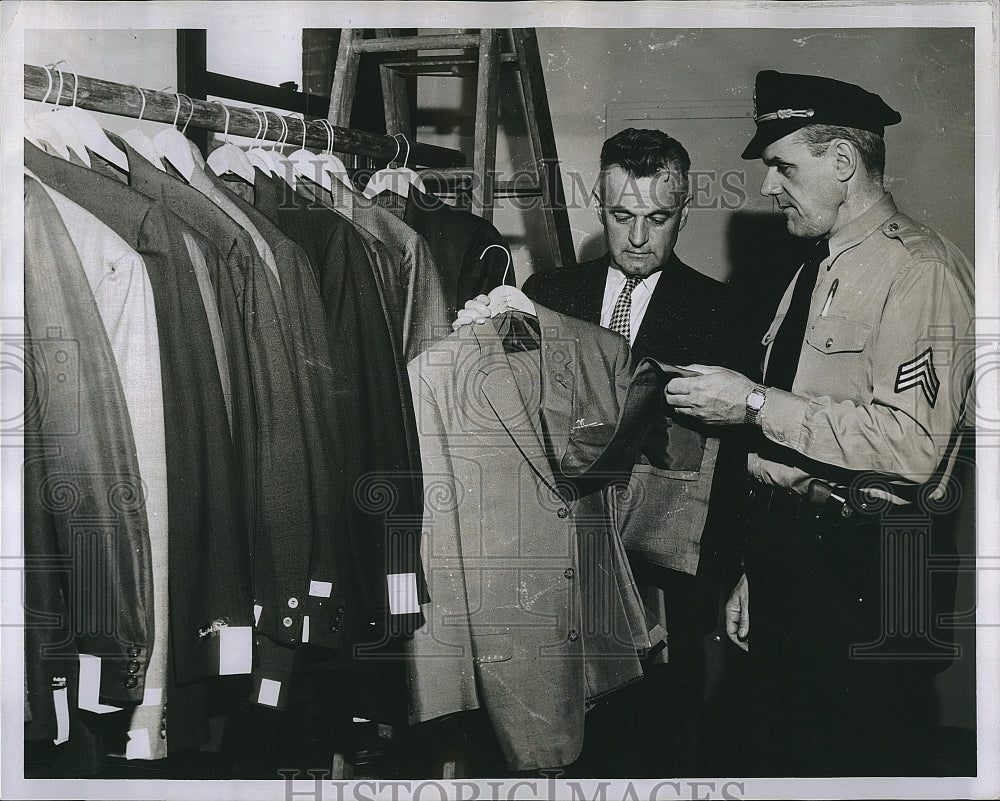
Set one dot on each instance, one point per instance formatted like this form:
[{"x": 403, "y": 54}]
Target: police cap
[{"x": 783, "y": 103}]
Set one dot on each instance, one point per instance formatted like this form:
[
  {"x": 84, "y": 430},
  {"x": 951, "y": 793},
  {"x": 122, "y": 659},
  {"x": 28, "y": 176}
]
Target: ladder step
[
  {"x": 399, "y": 44},
  {"x": 446, "y": 65}
]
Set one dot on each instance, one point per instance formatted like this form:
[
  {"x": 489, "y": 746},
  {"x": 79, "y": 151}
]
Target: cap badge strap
[{"x": 784, "y": 114}]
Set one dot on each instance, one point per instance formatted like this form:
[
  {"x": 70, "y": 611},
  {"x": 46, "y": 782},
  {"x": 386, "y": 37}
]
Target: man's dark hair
[
  {"x": 644, "y": 153},
  {"x": 871, "y": 146}
]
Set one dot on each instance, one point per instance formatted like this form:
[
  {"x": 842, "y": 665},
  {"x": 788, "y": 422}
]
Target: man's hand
[
  {"x": 738, "y": 614},
  {"x": 718, "y": 396},
  {"x": 501, "y": 299},
  {"x": 476, "y": 311}
]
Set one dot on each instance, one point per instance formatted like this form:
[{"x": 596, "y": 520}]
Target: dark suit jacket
[
  {"x": 685, "y": 322},
  {"x": 208, "y": 547},
  {"x": 457, "y": 240},
  {"x": 84, "y": 514}
]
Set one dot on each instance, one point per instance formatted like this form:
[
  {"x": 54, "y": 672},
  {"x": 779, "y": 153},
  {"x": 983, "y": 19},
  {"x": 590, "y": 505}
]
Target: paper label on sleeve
[
  {"x": 138, "y": 746},
  {"x": 90, "y": 686},
  {"x": 60, "y": 698},
  {"x": 403, "y": 593},
  {"x": 235, "y": 650},
  {"x": 269, "y": 692}
]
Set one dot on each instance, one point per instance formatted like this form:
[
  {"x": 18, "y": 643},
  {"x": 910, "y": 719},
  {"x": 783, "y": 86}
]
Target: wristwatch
[{"x": 755, "y": 402}]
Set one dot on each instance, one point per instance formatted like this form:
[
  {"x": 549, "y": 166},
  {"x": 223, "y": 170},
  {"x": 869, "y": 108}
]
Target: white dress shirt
[{"x": 640, "y": 298}]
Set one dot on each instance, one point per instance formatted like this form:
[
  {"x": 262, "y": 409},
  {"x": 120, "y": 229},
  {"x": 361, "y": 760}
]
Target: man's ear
[
  {"x": 684, "y": 213},
  {"x": 846, "y": 159},
  {"x": 596, "y": 194}
]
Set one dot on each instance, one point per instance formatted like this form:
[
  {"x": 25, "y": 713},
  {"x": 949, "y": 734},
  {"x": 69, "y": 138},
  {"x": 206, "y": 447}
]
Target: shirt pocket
[{"x": 838, "y": 335}]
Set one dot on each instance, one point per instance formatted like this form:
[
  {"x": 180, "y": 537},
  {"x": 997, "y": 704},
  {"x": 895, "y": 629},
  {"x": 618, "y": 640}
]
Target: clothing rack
[{"x": 126, "y": 100}]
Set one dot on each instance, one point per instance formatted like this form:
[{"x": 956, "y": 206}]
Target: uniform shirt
[
  {"x": 885, "y": 364},
  {"x": 640, "y": 299}
]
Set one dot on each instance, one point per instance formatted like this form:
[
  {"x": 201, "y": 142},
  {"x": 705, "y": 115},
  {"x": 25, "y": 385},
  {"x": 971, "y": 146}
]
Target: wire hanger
[
  {"x": 41, "y": 133},
  {"x": 172, "y": 146},
  {"x": 396, "y": 179},
  {"x": 91, "y": 135},
  {"x": 332, "y": 165},
  {"x": 139, "y": 140},
  {"x": 228, "y": 159},
  {"x": 283, "y": 168},
  {"x": 506, "y": 252},
  {"x": 305, "y": 164},
  {"x": 258, "y": 155}
]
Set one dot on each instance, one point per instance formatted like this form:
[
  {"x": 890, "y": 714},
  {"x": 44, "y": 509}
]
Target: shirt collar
[
  {"x": 860, "y": 228},
  {"x": 618, "y": 279}
]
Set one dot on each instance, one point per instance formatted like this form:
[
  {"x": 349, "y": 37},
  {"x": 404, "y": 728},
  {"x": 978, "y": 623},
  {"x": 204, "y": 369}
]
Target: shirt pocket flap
[{"x": 838, "y": 335}]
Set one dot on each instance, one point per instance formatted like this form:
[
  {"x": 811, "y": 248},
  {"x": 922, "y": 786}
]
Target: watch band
[{"x": 755, "y": 402}]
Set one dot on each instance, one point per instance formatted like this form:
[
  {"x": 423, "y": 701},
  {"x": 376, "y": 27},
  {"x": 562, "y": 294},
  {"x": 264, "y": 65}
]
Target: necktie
[
  {"x": 784, "y": 358},
  {"x": 622, "y": 314}
]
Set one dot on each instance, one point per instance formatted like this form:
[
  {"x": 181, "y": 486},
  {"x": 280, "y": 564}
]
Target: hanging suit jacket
[
  {"x": 84, "y": 515},
  {"x": 534, "y": 612},
  {"x": 457, "y": 240},
  {"x": 684, "y": 323},
  {"x": 208, "y": 548},
  {"x": 388, "y": 456}
]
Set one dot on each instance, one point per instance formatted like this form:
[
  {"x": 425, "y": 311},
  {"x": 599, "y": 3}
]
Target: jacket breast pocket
[
  {"x": 496, "y": 647},
  {"x": 838, "y": 335}
]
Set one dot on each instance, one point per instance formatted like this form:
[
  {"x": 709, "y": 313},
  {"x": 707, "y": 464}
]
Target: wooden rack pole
[{"x": 123, "y": 100}]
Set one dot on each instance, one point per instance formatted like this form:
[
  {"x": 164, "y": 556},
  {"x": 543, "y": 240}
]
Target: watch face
[{"x": 755, "y": 400}]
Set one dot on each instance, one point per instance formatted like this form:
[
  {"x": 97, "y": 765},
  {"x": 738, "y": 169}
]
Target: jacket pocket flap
[
  {"x": 493, "y": 647},
  {"x": 837, "y": 335}
]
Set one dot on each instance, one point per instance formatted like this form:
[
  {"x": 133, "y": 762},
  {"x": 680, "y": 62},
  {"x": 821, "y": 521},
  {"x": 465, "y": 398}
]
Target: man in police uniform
[{"x": 864, "y": 385}]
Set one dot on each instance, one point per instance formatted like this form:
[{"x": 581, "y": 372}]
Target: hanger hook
[
  {"x": 509, "y": 259},
  {"x": 48, "y": 89},
  {"x": 59, "y": 93},
  {"x": 190, "y": 115},
  {"x": 281, "y": 140},
  {"x": 329, "y": 136},
  {"x": 225, "y": 134},
  {"x": 142, "y": 110},
  {"x": 76, "y": 78},
  {"x": 177, "y": 112},
  {"x": 260, "y": 125},
  {"x": 303, "y": 131},
  {"x": 406, "y": 158},
  {"x": 396, "y": 156},
  {"x": 263, "y": 115}
]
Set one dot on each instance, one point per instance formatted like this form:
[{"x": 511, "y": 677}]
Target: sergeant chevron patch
[{"x": 919, "y": 372}]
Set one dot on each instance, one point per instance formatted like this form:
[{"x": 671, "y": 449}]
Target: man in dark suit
[{"x": 672, "y": 313}]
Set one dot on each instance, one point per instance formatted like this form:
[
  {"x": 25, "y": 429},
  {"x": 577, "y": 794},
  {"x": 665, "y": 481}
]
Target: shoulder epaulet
[{"x": 921, "y": 242}]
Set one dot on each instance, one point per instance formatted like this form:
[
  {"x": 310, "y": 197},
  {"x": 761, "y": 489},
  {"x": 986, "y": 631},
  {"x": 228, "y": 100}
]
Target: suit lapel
[
  {"x": 560, "y": 361},
  {"x": 504, "y": 398},
  {"x": 659, "y": 309}
]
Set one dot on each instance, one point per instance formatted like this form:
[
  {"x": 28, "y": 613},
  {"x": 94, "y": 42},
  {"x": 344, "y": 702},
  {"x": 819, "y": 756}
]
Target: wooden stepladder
[{"x": 479, "y": 52}]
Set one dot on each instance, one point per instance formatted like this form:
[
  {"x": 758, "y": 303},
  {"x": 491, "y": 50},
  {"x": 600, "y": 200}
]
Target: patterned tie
[
  {"x": 622, "y": 315},
  {"x": 784, "y": 359}
]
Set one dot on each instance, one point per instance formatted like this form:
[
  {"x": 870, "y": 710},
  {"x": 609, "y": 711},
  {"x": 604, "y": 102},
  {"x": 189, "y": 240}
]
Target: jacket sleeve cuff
[{"x": 782, "y": 417}]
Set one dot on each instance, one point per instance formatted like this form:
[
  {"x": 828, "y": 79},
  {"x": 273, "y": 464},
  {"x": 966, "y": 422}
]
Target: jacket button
[
  {"x": 293, "y": 603},
  {"x": 131, "y": 682},
  {"x": 829, "y": 342},
  {"x": 134, "y": 651},
  {"x": 287, "y": 622},
  {"x": 893, "y": 226},
  {"x": 132, "y": 667},
  {"x": 569, "y": 572},
  {"x": 563, "y": 512},
  {"x": 574, "y": 635}
]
